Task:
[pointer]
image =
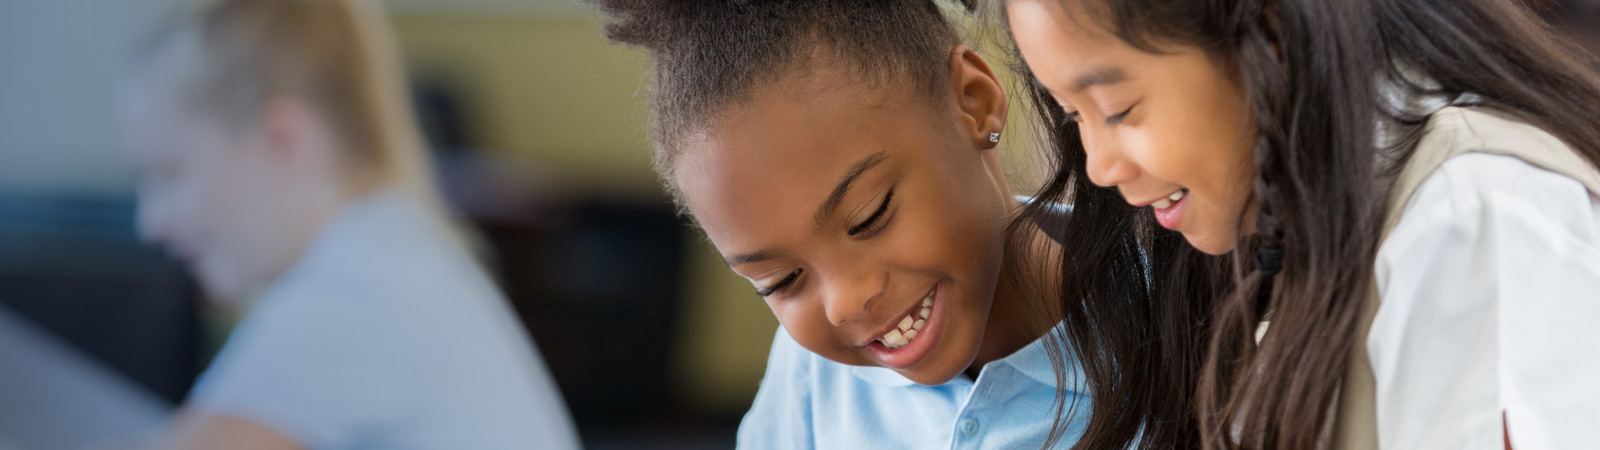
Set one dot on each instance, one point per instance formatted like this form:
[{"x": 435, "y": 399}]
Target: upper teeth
[
  {"x": 909, "y": 325},
  {"x": 1167, "y": 202}
]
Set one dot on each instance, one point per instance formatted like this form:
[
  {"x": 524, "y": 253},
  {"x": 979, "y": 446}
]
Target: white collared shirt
[
  {"x": 387, "y": 335},
  {"x": 1491, "y": 303}
]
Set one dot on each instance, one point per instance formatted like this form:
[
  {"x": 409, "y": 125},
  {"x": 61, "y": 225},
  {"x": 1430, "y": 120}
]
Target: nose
[
  {"x": 847, "y": 297},
  {"x": 1107, "y": 164}
]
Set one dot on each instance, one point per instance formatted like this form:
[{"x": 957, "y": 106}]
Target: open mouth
[
  {"x": 1169, "y": 210},
  {"x": 909, "y": 325},
  {"x": 1171, "y": 200},
  {"x": 914, "y": 335}
]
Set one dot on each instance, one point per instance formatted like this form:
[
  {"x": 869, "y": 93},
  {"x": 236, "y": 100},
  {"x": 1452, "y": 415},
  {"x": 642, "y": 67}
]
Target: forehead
[
  {"x": 1055, "y": 36},
  {"x": 762, "y": 168}
]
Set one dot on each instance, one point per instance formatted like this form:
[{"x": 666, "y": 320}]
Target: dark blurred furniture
[
  {"x": 598, "y": 286},
  {"x": 75, "y": 267}
]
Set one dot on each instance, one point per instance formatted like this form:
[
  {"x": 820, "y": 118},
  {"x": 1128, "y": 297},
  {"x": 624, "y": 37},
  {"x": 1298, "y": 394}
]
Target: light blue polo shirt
[{"x": 809, "y": 402}]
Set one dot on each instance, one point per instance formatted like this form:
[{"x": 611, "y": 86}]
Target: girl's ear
[{"x": 979, "y": 96}]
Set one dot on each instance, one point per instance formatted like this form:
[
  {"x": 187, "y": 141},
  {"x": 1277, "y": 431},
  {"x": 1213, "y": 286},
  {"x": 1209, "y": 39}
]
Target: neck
[
  {"x": 311, "y": 209},
  {"x": 1024, "y": 307}
]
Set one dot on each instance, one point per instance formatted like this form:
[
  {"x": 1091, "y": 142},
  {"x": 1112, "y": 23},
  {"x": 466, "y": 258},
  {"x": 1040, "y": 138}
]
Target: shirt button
[{"x": 969, "y": 426}]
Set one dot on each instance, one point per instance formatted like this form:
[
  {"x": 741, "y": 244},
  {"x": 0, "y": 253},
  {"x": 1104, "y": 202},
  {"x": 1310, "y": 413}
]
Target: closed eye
[
  {"x": 876, "y": 216},
  {"x": 1117, "y": 119},
  {"x": 780, "y": 285}
]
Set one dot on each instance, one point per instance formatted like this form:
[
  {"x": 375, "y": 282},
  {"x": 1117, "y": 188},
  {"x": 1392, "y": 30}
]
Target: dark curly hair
[{"x": 712, "y": 54}]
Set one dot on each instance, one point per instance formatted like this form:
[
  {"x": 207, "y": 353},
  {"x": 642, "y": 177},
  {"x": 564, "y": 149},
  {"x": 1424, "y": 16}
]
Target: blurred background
[{"x": 537, "y": 124}]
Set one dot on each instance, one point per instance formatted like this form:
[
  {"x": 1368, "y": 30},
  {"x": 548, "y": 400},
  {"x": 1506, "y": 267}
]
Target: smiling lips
[
  {"x": 909, "y": 325},
  {"x": 1169, "y": 210},
  {"x": 1169, "y": 201}
]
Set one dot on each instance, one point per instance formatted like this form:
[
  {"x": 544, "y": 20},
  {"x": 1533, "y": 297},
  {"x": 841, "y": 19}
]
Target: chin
[
  {"x": 947, "y": 362},
  {"x": 225, "y": 289},
  {"x": 928, "y": 377},
  {"x": 1211, "y": 244}
]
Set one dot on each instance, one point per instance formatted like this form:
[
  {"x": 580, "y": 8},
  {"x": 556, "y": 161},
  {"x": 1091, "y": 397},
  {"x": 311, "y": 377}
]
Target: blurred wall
[
  {"x": 548, "y": 90},
  {"x": 60, "y": 61},
  {"x": 544, "y": 86}
]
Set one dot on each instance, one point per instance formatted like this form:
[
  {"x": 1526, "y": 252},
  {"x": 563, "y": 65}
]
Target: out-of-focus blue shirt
[
  {"x": 808, "y": 402},
  {"x": 386, "y": 335}
]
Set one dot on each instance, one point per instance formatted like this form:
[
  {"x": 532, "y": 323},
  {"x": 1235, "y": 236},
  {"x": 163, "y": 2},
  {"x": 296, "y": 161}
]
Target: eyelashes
[
  {"x": 1117, "y": 119},
  {"x": 1114, "y": 120},
  {"x": 866, "y": 228},
  {"x": 785, "y": 282},
  {"x": 872, "y": 220}
]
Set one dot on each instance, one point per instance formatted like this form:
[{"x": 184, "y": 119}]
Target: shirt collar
[
  {"x": 883, "y": 376},
  {"x": 373, "y": 221},
  {"x": 1032, "y": 360}
]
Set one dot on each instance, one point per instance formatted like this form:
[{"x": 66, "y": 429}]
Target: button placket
[{"x": 969, "y": 426}]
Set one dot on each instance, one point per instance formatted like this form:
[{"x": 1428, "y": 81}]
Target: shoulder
[
  {"x": 1486, "y": 285},
  {"x": 781, "y": 415},
  {"x": 1454, "y": 132},
  {"x": 1474, "y": 166},
  {"x": 790, "y": 373},
  {"x": 382, "y": 257},
  {"x": 1471, "y": 193}
]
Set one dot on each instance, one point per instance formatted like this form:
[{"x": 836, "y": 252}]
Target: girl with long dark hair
[{"x": 1406, "y": 190}]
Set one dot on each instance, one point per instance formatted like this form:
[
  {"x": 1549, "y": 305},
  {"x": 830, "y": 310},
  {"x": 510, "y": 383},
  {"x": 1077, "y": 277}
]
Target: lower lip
[
  {"x": 909, "y": 354},
  {"x": 1172, "y": 216}
]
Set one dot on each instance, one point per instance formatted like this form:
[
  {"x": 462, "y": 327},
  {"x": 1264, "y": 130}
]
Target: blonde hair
[{"x": 337, "y": 56}]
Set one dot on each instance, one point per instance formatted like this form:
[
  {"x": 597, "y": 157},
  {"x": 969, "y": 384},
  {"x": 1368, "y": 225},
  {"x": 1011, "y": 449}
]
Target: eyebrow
[
  {"x": 1100, "y": 76},
  {"x": 751, "y": 258},
  {"x": 825, "y": 211}
]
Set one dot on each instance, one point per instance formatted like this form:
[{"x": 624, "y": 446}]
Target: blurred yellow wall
[
  {"x": 555, "y": 92},
  {"x": 547, "y": 90}
]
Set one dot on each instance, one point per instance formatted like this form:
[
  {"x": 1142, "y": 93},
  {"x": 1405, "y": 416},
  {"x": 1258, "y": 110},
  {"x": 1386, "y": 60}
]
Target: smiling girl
[
  {"x": 1407, "y": 189},
  {"x": 841, "y": 155}
]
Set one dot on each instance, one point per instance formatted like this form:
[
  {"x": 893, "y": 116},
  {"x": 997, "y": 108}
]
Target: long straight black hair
[{"x": 1184, "y": 371}]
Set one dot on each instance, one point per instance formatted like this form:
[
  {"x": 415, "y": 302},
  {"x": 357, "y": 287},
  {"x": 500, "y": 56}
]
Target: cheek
[
  {"x": 1201, "y": 147},
  {"x": 226, "y": 206},
  {"x": 961, "y": 238},
  {"x": 805, "y": 321},
  {"x": 1223, "y": 178}
]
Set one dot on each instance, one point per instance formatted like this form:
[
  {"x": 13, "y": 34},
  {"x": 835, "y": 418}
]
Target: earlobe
[{"x": 979, "y": 96}]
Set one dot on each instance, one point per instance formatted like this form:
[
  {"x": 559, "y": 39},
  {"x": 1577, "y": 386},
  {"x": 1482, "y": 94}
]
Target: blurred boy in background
[{"x": 280, "y": 162}]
